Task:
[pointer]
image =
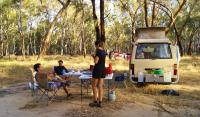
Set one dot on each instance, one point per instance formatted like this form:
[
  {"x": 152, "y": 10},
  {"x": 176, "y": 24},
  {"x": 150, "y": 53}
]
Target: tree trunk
[
  {"x": 2, "y": 49},
  {"x": 7, "y": 50},
  {"x": 102, "y": 24},
  {"x": 193, "y": 32},
  {"x": 153, "y": 14},
  {"x": 13, "y": 48},
  {"x": 84, "y": 49},
  {"x": 178, "y": 41},
  {"x": 62, "y": 39},
  {"x": 20, "y": 30},
  {"x": 47, "y": 37},
  {"x": 31, "y": 43},
  {"x": 132, "y": 31},
  {"x": 97, "y": 29},
  {"x": 179, "y": 32},
  {"x": 146, "y": 13},
  {"x": 28, "y": 50},
  {"x": 1, "y": 42},
  {"x": 1, "y": 36},
  {"x": 173, "y": 18},
  {"x": 82, "y": 42},
  {"x": 189, "y": 52},
  {"x": 34, "y": 44}
]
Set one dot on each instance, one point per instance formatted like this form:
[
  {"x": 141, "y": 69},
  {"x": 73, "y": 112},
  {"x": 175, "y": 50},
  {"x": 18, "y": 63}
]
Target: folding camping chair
[{"x": 46, "y": 87}]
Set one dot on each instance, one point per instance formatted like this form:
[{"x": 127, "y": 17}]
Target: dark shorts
[{"x": 98, "y": 74}]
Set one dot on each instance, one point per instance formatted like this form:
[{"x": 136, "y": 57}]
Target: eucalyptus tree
[{"x": 47, "y": 36}]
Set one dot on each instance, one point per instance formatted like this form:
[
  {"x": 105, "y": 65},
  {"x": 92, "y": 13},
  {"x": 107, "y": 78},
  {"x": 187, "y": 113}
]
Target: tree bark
[
  {"x": 1, "y": 36},
  {"x": 13, "y": 48},
  {"x": 2, "y": 49},
  {"x": 146, "y": 13},
  {"x": 20, "y": 30},
  {"x": 189, "y": 52},
  {"x": 96, "y": 24},
  {"x": 47, "y": 37},
  {"x": 31, "y": 43},
  {"x": 132, "y": 16},
  {"x": 62, "y": 38},
  {"x": 193, "y": 32},
  {"x": 153, "y": 14},
  {"x": 179, "y": 32},
  {"x": 6, "y": 50},
  {"x": 34, "y": 44},
  {"x": 82, "y": 44},
  {"x": 178, "y": 40},
  {"x": 173, "y": 19},
  {"x": 102, "y": 24}
]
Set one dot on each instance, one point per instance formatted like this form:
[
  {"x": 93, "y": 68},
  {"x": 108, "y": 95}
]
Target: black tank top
[{"x": 100, "y": 66}]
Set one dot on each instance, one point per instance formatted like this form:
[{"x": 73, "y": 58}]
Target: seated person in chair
[
  {"x": 33, "y": 84},
  {"x": 60, "y": 69},
  {"x": 53, "y": 79}
]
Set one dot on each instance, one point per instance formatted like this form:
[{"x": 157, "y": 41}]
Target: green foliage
[{"x": 121, "y": 19}]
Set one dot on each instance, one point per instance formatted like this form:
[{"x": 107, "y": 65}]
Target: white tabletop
[
  {"x": 72, "y": 74},
  {"x": 85, "y": 77}
]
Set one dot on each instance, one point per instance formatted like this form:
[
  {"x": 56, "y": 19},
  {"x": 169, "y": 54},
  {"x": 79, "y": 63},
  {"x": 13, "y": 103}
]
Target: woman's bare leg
[
  {"x": 66, "y": 90},
  {"x": 101, "y": 84},
  {"x": 94, "y": 88}
]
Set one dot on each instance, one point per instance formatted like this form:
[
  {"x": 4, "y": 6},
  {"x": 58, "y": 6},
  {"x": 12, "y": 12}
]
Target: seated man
[
  {"x": 60, "y": 70},
  {"x": 54, "y": 80}
]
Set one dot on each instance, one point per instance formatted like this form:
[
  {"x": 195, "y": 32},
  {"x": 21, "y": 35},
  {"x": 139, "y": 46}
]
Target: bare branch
[
  {"x": 153, "y": 14},
  {"x": 175, "y": 16},
  {"x": 162, "y": 5},
  {"x": 178, "y": 2},
  {"x": 107, "y": 15},
  {"x": 61, "y": 2}
]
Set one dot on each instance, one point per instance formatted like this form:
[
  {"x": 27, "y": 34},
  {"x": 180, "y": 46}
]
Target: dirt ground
[{"x": 16, "y": 99}]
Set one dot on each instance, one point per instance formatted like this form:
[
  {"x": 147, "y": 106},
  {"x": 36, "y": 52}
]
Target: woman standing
[{"x": 98, "y": 74}]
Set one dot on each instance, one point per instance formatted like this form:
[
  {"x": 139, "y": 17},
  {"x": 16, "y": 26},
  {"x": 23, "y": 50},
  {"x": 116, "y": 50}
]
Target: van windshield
[{"x": 153, "y": 51}]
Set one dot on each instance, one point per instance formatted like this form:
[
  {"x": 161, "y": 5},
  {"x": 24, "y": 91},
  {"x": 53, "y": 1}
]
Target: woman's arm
[{"x": 96, "y": 59}]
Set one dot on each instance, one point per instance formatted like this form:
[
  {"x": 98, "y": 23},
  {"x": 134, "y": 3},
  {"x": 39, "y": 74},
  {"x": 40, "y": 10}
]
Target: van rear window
[{"x": 153, "y": 51}]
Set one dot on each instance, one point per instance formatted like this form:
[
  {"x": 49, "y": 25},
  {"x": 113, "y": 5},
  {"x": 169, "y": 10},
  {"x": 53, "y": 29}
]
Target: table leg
[
  {"x": 108, "y": 89},
  {"x": 87, "y": 86},
  {"x": 81, "y": 88}
]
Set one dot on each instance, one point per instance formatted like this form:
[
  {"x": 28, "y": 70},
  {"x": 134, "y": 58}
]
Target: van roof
[
  {"x": 150, "y": 33},
  {"x": 166, "y": 40}
]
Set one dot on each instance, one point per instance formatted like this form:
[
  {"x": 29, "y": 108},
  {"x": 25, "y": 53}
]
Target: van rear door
[{"x": 152, "y": 56}]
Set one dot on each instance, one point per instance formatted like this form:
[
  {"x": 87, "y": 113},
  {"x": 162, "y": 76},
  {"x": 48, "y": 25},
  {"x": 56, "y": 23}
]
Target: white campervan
[{"x": 154, "y": 59}]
